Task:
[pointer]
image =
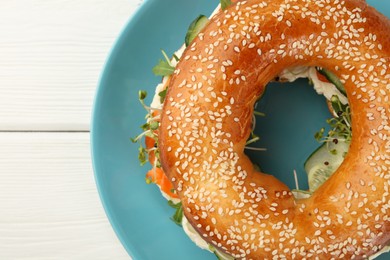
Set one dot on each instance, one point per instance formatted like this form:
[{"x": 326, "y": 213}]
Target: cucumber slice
[
  {"x": 324, "y": 161},
  {"x": 195, "y": 27},
  {"x": 220, "y": 255},
  {"x": 225, "y": 4},
  {"x": 317, "y": 176},
  {"x": 333, "y": 79}
]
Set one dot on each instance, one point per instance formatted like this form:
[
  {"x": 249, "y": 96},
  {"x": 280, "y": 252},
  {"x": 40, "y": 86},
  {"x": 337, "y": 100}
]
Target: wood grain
[
  {"x": 51, "y": 56},
  {"x": 50, "y": 208}
]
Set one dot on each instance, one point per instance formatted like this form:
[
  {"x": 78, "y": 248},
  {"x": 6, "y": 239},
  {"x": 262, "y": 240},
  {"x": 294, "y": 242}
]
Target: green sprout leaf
[
  {"x": 320, "y": 134},
  {"x": 340, "y": 125},
  {"x": 145, "y": 126},
  {"x": 148, "y": 180},
  {"x": 158, "y": 161},
  {"x": 142, "y": 95},
  {"x": 153, "y": 125},
  {"x": 166, "y": 57},
  {"x": 178, "y": 215},
  {"x": 142, "y": 155},
  {"x": 163, "y": 68},
  {"x": 162, "y": 95}
]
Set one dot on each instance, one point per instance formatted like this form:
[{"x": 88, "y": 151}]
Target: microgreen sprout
[
  {"x": 162, "y": 95},
  {"x": 138, "y": 137},
  {"x": 153, "y": 125},
  {"x": 320, "y": 134},
  {"x": 178, "y": 215},
  {"x": 296, "y": 179},
  {"x": 142, "y": 94},
  {"x": 253, "y": 137},
  {"x": 340, "y": 125},
  {"x": 166, "y": 58},
  {"x": 148, "y": 129},
  {"x": 148, "y": 180},
  {"x": 258, "y": 113},
  {"x": 142, "y": 152},
  {"x": 164, "y": 67},
  {"x": 157, "y": 161}
]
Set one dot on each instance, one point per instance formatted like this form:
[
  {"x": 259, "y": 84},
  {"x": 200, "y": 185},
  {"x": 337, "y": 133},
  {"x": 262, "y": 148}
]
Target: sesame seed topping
[{"x": 206, "y": 121}]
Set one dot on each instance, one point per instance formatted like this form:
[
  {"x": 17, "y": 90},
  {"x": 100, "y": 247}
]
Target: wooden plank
[
  {"x": 50, "y": 207},
  {"x": 52, "y": 54}
]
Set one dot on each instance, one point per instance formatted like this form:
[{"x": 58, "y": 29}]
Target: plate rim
[
  {"x": 111, "y": 55},
  {"x": 131, "y": 22}
]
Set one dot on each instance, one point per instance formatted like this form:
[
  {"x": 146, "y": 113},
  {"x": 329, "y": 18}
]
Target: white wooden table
[{"x": 51, "y": 56}]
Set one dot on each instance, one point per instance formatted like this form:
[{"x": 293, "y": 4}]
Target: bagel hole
[{"x": 294, "y": 112}]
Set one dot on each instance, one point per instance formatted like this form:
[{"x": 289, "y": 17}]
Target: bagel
[{"x": 207, "y": 117}]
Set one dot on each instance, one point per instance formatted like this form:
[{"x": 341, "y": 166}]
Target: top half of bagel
[{"x": 207, "y": 116}]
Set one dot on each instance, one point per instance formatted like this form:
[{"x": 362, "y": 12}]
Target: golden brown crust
[{"x": 206, "y": 121}]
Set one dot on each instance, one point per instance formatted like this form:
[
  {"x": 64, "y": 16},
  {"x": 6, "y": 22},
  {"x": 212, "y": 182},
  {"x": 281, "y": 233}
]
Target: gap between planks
[{"x": 49, "y": 201}]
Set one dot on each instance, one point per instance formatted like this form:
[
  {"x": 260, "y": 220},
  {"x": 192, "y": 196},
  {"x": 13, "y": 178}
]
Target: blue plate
[{"x": 137, "y": 212}]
